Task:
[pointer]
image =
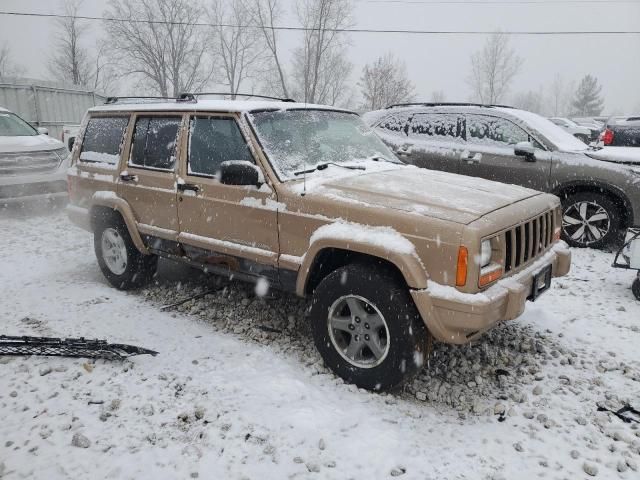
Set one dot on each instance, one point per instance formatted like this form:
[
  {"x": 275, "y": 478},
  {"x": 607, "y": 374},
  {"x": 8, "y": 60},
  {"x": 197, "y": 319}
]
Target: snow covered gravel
[{"x": 238, "y": 390}]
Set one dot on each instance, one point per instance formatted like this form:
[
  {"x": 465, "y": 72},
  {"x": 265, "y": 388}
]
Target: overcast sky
[{"x": 434, "y": 62}]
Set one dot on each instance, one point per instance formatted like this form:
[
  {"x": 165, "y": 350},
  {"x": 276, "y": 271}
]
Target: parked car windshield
[
  {"x": 301, "y": 139},
  {"x": 12, "y": 125}
]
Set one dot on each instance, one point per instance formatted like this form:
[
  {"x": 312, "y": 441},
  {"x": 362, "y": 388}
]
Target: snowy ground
[{"x": 229, "y": 398}]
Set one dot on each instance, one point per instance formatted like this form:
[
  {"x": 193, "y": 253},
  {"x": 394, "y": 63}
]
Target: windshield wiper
[
  {"x": 379, "y": 158},
  {"x": 323, "y": 166}
]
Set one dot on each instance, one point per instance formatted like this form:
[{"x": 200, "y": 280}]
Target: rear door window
[
  {"x": 103, "y": 138},
  {"x": 437, "y": 126},
  {"x": 496, "y": 131},
  {"x": 213, "y": 140},
  {"x": 154, "y": 142}
]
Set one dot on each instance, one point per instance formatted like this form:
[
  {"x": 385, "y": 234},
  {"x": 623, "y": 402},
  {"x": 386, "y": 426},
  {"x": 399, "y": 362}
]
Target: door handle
[
  {"x": 183, "y": 187},
  {"x": 403, "y": 151},
  {"x": 126, "y": 177},
  {"x": 471, "y": 158}
]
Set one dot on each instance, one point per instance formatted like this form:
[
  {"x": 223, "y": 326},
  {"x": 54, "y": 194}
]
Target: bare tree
[
  {"x": 493, "y": 69},
  {"x": 71, "y": 62},
  {"x": 7, "y": 67},
  {"x": 322, "y": 47},
  {"x": 438, "y": 96},
  {"x": 236, "y": 46},
  {"x": 531, "y": 101},
  {"x": 385, "y": 82},
  {"x": 265, "y": 15},
  {"x": 164, "y": 48},
  {"x": 557, "y": 96},
  {"x": 105, "y": 74}
]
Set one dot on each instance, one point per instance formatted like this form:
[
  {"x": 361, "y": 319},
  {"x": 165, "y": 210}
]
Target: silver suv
[
  {"x": 33, "y": 165},
  {"x": 600, "y": 193}
]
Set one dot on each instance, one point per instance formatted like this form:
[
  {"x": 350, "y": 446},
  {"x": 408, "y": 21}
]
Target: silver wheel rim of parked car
[
  {"x": 358, "y": 331},
  {"x": 586, "y": 222},
  {"x": 114, "y": 251}
]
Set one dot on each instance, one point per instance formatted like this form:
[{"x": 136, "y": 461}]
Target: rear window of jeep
[
  {"x": 103, "y": 139},
  {"x": 154, "y": 142}
]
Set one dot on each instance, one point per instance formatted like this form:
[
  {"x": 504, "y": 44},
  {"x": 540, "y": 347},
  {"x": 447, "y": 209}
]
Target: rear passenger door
[
  {"x": 490, "y": 153},
  {"x": 148, "y": 181},
  {"x": 233, "y": 227}
]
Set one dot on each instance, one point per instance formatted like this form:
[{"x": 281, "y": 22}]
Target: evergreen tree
[{"x": 588, "y": 100}]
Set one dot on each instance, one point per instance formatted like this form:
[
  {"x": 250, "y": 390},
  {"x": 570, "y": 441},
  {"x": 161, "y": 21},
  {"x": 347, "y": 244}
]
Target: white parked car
[
  {"x": 578, "y": 131},
  {"x": 32, "y": 164}
]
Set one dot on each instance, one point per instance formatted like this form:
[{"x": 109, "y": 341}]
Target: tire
[
  {"x": 120, "y": 261},
  {"x": 590, "y": 220},
  {"x": 341, "y": 306},
  {"x": 635, "y": 288}
]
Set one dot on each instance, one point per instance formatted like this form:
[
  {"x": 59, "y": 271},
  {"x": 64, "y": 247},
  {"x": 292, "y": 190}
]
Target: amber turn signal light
[
  {"x": 463, "y": 263},
  {"x": 490, "y": 277},
  {"x": 556, "y": 234}
]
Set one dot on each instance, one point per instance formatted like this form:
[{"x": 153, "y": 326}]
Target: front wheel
[
  {"x": 120, "y": 261},
  {"x": 590, "y": 220},
  {"x": 367, "y": 328}
]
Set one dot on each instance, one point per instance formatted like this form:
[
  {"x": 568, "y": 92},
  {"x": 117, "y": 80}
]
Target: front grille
[
  {"x": 527, "y": 241},
  {"x": 28, "y": 163}
]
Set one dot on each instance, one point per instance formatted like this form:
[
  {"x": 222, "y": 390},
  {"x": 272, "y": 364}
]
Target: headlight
[
  {"x": 485, "y": 253},
  {"x": 62, "y": 153}
]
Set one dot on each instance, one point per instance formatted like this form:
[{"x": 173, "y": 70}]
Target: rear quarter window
[
  {"x": 103, "y": 139},
  {"x": 395, "y": 124}
]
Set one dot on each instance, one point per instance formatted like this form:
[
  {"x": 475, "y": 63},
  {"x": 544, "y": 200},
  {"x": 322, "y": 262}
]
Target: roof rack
[
  {"x": 193, "y": 96},
  {"x": 445, "y": 104},
  {"x": 136, "y": 99}
]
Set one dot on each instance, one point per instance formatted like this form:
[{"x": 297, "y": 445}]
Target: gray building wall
[{"x": 44, "y": 104}]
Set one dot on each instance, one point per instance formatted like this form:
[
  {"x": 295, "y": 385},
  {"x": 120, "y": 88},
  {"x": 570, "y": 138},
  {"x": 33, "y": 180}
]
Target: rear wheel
[
  {"x": 120, "y": 261},
  {"x": 590, "y": 220},
  {"x": 635, "y": 287},
  {"x": 367, "y": 328}
]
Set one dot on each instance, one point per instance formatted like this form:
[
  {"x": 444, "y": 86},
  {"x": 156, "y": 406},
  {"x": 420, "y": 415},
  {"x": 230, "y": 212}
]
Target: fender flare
[
  {"x": 111, "y": 200},
  {"x": 410, "y": 266}
]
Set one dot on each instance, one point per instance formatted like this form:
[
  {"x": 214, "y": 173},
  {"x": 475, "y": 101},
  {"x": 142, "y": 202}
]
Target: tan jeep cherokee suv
[{"x": 309, "y": 199}]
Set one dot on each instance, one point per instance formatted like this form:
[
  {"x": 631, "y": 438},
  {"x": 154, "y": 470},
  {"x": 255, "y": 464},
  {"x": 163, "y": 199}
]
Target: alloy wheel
[
  {"x": 586, "y": 222},
  {"x": 358, "y": 331},
  {"x": 114, "y": 251}
]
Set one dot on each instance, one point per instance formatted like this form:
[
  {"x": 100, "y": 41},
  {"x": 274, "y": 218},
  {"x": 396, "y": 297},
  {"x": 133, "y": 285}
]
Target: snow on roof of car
[
  {"x": 212, "y": 105},
  {"x": 3, "y": 109}
]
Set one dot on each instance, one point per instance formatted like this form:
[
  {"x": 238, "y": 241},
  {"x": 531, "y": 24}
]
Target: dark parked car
[
  {"x": 600, "y": 193},
  {"x": 621, "y": 132}
]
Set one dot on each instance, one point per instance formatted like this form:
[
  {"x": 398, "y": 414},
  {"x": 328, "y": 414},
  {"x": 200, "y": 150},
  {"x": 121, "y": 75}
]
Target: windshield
[
  {"x": 12, "y": 125},
  {"x": 296, "y": 140},
  {"x": 558, "y": 136}
]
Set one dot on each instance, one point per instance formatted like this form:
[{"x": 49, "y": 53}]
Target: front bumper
[
  {"x": 455, "y": 317},
  {"x": 23, "y": 188}
]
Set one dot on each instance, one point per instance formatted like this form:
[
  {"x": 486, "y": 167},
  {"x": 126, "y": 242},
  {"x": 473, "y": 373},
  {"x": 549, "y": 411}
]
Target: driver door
[
  {"x": 234, "y": 227},
  {"x": 490, "y": 154}
]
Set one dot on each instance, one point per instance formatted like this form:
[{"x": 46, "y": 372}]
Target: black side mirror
[
  {"x": 526, "y": 150},
  {"x": 239, "y": 172}
]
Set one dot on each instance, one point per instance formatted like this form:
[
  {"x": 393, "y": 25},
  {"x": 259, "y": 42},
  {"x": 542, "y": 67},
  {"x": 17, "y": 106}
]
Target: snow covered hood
[
  {"x": 35, "y": 143},
  {"x": 628, "y": 155},
  {"x": 445, "y": 196}
]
